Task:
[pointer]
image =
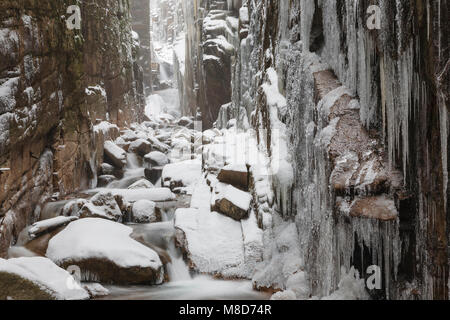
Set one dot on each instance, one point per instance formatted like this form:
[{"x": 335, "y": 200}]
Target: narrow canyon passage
[{"x": 224, "y": 150}]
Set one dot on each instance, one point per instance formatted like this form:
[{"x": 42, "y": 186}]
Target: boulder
[
  {"x": 155, "y": 159},
  {"x": 95, "y": 290},
  {"x": 212, "y": 243},
  {"x": 140, "y": 147},
  {"x": 141, "y": 184},
  {"x": 153, "y": 174},
  {"x": 115, "y": 155},
  {"x": 233, "y": 202},
  {"x": 104, "y": 180},
  {"x": 181, "y": 174},
  {"x": 105, "y": 252},
  {"x": 37, "y": 278},
  {"x": 144, "y": 211},
  {"x": 73, "y": 207},
  {"x": 158, "y": 145},
  {"x": 109, "y": 170},
  {"x": 236, "y": 175},
  {"x": 102, "y": 205},
  {"x": 186, "y": 122}
]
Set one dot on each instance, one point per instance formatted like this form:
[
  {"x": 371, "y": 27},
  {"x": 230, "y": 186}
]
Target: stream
[{"x": 183, "y": 284}]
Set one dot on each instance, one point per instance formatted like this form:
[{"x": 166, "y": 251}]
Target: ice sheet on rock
[
  {"x": 46, "y": 275},
  {"x": 102, "y": 239},
  {"x": 282, "y": 256},
  {"x": 351, "y": 287},
  {"x": 105, "y": 127}
]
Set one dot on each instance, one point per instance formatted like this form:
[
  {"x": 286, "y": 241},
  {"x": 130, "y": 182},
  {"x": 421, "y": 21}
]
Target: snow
[
  {"x": 46, "y": 275},
  {"x": 153, "y": 194},
  {"x": 105, "y": 127},
  {"x": 158, "y": 157},
  {"x": 188, "y": 172},
  {"x": 8, "y": 90},
  {"x": 141, "y": 184},
  {"x": 101, "y": 239},
  {"x": 93, "y": 90},
  {"x": 214, "y": 241},
  {"x": 44, "y": 225},
  {"x": 351, "y": 287},
  {"x": 237, "y": 197},
  {"x": 325, "y": 104},
  {"x": 273, "y": 95},
  {"x": 116, "y": 151},
  {"x": 144, "y": 211}
]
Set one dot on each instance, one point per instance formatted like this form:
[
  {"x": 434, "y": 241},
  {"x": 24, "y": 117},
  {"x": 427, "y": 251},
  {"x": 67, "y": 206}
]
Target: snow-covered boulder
[
  {"x": 141, "y": 184},
  {"x": 140, "y": 147},
  {"x": 40, "y": 227},
  {"x": 212, "y": 242},
  {"x": 155, "y": 159},
  {"x": 95, "y": 290},
  {"x": 129, "y": 136},
  {"x": 105, "y": 252},
  {"x": 233, "y": 203},
  {"x": 102, "y": 205},
  {"x": 144, "y": 211},
  {"x": 236, "y": 175},
  {"x": 37, "y": 278},
  {"x": 181, "y": 174},
  {"x": 153, "y": 194},
  {"x": 115, "y": 154},
  {"x": 158, "y": 145}
]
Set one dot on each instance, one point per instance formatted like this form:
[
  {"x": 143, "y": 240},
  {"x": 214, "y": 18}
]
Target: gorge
[{"x": 239, "y": 149}]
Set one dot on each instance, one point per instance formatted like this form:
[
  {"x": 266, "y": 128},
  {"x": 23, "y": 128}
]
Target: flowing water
[{"x": 183, "y": 284}]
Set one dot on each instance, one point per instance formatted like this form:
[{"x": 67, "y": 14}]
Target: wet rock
[
  {"x": 104, "y": 180},
  {"x": 186, "y": 122},
  {"x": 115, "y": 154},
  {"x": 105, "y": 253},
  {"x": 144, "y": 211},
  {"x": 140, "y": 147},
  {"x": 153, "y": 174},
  {"x": 236, "y": 175},
  {"x": 109, "y": 170}
]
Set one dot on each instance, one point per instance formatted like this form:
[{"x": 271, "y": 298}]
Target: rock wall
[
  {"x": 140, "y": 16},
  {"x": 55, "y": 85},
  {"x": 366, "y": 112},
  {"x": 211, "y": 36}
]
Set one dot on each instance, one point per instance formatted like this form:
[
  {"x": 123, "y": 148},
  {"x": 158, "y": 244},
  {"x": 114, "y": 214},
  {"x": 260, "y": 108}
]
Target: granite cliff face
[
  {"x": 59, "y": 83},
  {"x": 140, "y": 12},
  {"x": 366, "y": 113}
]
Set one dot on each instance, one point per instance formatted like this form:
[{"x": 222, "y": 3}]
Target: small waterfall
[
  {"x": 162, "y": 235},
  {"x": 178, "y": 269}
]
